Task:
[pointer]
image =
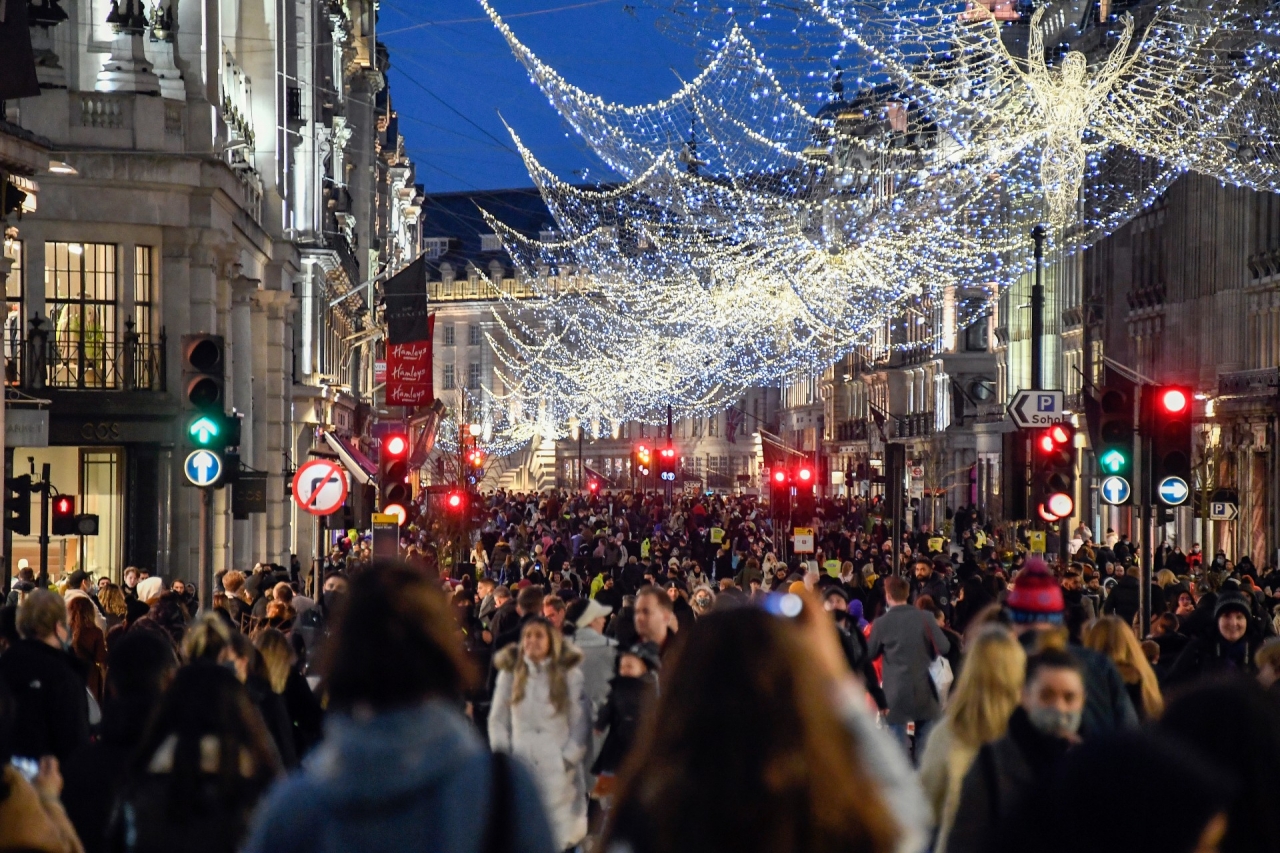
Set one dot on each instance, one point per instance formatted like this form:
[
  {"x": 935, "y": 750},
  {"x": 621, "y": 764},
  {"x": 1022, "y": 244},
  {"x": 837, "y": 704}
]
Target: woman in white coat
[{"x": 539, "y": 715}]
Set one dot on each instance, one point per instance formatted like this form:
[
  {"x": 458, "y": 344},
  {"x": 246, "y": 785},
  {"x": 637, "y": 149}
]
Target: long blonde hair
[
  {"x": 558, "y": 664},
  {"x": 989, "y": 687},
  {"x": 277, "y": 657},
  {"x": 1111, "y": 636}
]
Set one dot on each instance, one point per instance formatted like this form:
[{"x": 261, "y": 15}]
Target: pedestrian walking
[
  {"x": 540, "y": 714},
  {"x": 400, "y": 768},
  {"x": 1116, "y": 640},
  {"x": 203, "y": 763},
  {"x": 761, "y": 743},
  {"x": 47, "y": 686},
  {"x": 1041, "y": 730},
  {"x": 980, "y": 704},
  {"x": 909, "y": 640}
]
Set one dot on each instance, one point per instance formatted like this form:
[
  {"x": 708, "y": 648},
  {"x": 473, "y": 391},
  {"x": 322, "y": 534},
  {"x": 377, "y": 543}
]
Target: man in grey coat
[{"x": 909, "y": 640}]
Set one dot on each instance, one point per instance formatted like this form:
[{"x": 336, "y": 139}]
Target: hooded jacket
[
  {"x": 417, "y": 778},
  {"x": 553, "y": 743}
]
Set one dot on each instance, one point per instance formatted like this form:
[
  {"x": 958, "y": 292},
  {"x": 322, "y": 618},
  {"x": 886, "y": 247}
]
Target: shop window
[
  {"x": 80, "y": 302},
  {"x": 14, "y": 319},
  {"x": 144, "y": 296}
]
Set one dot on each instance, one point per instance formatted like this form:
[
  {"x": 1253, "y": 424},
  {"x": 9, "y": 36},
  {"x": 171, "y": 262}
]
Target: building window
[
  {"x": 448, "y": 381},
  {"x": 473, "y": 334},
  {"x": 473, "y": 377},
  {"x": 144, "y": 295},
  {"x": 490, "y": 243},
  {"x": 80, "y": 300},
  {"x": 13, "y": 318},
  {"x": 713, "y": 426},
  {"x": 448, "y": 334},
  {"x": 435, "y": 247}
]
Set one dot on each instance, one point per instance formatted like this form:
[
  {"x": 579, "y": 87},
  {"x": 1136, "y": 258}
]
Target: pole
[
  {"x": 1147, "y": 512},
  {"x": 206, "y": 550},
  {"x": 669, "y": 494},
  {"x": 43, "y": 580},
  {"x": 1037, "y": 312},
  {"x": 8, "y": 534}
]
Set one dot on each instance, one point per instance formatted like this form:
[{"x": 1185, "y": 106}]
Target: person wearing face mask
[
  {"x": 1035, "y": 607},
  {"x": 1230, "y": 648},
  {"x": 52, "y": 702},
  {"x": 1043, "y": 727},
  {"x": 313, "y": 626}
]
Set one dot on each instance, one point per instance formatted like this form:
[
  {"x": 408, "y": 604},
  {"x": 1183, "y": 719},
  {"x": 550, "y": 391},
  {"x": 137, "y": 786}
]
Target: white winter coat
[{"x": 553, "y": 745}]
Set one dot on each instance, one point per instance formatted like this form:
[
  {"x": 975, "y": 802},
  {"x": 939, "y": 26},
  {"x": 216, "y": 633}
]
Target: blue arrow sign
[
  {"x": 1173, "y": 490},
  {"x": 203, "y": 467},
  {"x": 1115, "y": 490}
]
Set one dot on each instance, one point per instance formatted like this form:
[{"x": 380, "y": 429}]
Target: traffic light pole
[
  {"x": 1037, "y": 311},
  {"x": 206, "y": 550},
  {"x": 43, "y": 580}
]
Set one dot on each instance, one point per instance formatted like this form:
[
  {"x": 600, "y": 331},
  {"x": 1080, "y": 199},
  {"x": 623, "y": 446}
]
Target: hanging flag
[
  {"x": 409, "y": 371},
  {"x": 732, "y": 423},
  {"x": 405, "y": 305},
  {"x": 17, "y": 59}
]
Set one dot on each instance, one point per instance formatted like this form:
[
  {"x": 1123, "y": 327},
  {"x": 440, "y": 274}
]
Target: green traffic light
[
  {"x": 1113, "y": 461},
  {"x": 204, "y": 430}
]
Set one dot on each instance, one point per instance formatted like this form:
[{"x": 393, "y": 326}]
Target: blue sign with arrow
[
  {"x": 1115, "y": 490},
  {"x": 1173, "y": 490},
  {"x": 203, "y": 467}
]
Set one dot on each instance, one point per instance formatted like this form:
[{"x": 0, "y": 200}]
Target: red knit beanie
[{"x": 1036, "y": 595}]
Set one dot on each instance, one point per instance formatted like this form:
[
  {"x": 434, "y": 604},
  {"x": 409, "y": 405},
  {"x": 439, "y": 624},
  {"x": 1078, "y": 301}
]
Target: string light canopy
[{"x": 769, "y": 222}]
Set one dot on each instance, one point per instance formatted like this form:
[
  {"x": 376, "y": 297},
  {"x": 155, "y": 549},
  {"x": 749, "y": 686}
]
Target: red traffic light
[
  {"x": 1060, "y": 504},
  {"x": 593, "y": 485},
  {"x": 454, "y": 500},
  {"x": 779, "y": 476},
  {"x": 1174, "y": 400},
  {"x": 395, "y": 445},
  {"x": 1046, "y": 443},
  {"x": 64, "y": 506},
  {"x": 1059, "y": 434},
  {"x": 804, "y": 474}
]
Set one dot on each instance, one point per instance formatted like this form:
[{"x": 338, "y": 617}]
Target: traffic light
[
  {"x": 17, "y": 505},
  {"x": 63, "y": 522},
  {"x": 475, "y": 465},
  {"x": 641, "y": 461},
  {"x": 455, "y": 501},
  {"x": 1115, "y": 433},
  {"x": 393, "y": 470},
  {"x": 779, "y": 487},
  {"x": 1169, "y": 428},
  {"x": 203, "y": 372},
  {"x": 667, "y": 464},
  {"x": 1053, "y": 474}
]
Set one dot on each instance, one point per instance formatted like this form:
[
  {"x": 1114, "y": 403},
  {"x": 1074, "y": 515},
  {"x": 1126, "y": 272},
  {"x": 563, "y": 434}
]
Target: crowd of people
[{"x": 609, "y": 673}]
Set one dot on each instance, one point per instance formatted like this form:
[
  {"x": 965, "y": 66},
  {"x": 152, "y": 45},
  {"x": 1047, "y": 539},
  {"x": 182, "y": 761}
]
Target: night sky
[{"x": 452, "y": 74}]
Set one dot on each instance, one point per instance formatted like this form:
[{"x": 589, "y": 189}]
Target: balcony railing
[
  {"x": 96, "y": 360},
  {"x": 914, "y": 426},
  {"x": 855, "y": 430}
]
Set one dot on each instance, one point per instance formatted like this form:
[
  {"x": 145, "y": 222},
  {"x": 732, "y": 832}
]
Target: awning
[{"x": 361, "y": 469}]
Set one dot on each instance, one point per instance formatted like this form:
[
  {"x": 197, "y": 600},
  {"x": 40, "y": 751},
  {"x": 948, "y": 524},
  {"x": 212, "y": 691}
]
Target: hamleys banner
[{"x": 409, "y": 381}]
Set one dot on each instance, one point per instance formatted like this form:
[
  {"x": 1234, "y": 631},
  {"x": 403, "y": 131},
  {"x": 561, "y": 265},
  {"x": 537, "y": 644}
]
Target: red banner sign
[{"x": 409, "y": 374}]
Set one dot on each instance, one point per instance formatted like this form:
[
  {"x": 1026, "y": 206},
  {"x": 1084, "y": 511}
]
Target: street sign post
[
  {"x": 1223, "y": 511},
  {"x": 1115, "y": 490},
  {"x": 386, "y": 535},
  {"x": 1030, "y": 409},
  {"x": 1036, "y": 538},
  {"x": 320, "y": 487},
  {"x": 203, "y": 467},
  {"x": 1173, "y": 491},
  {"x": 802, "y": 540}
]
